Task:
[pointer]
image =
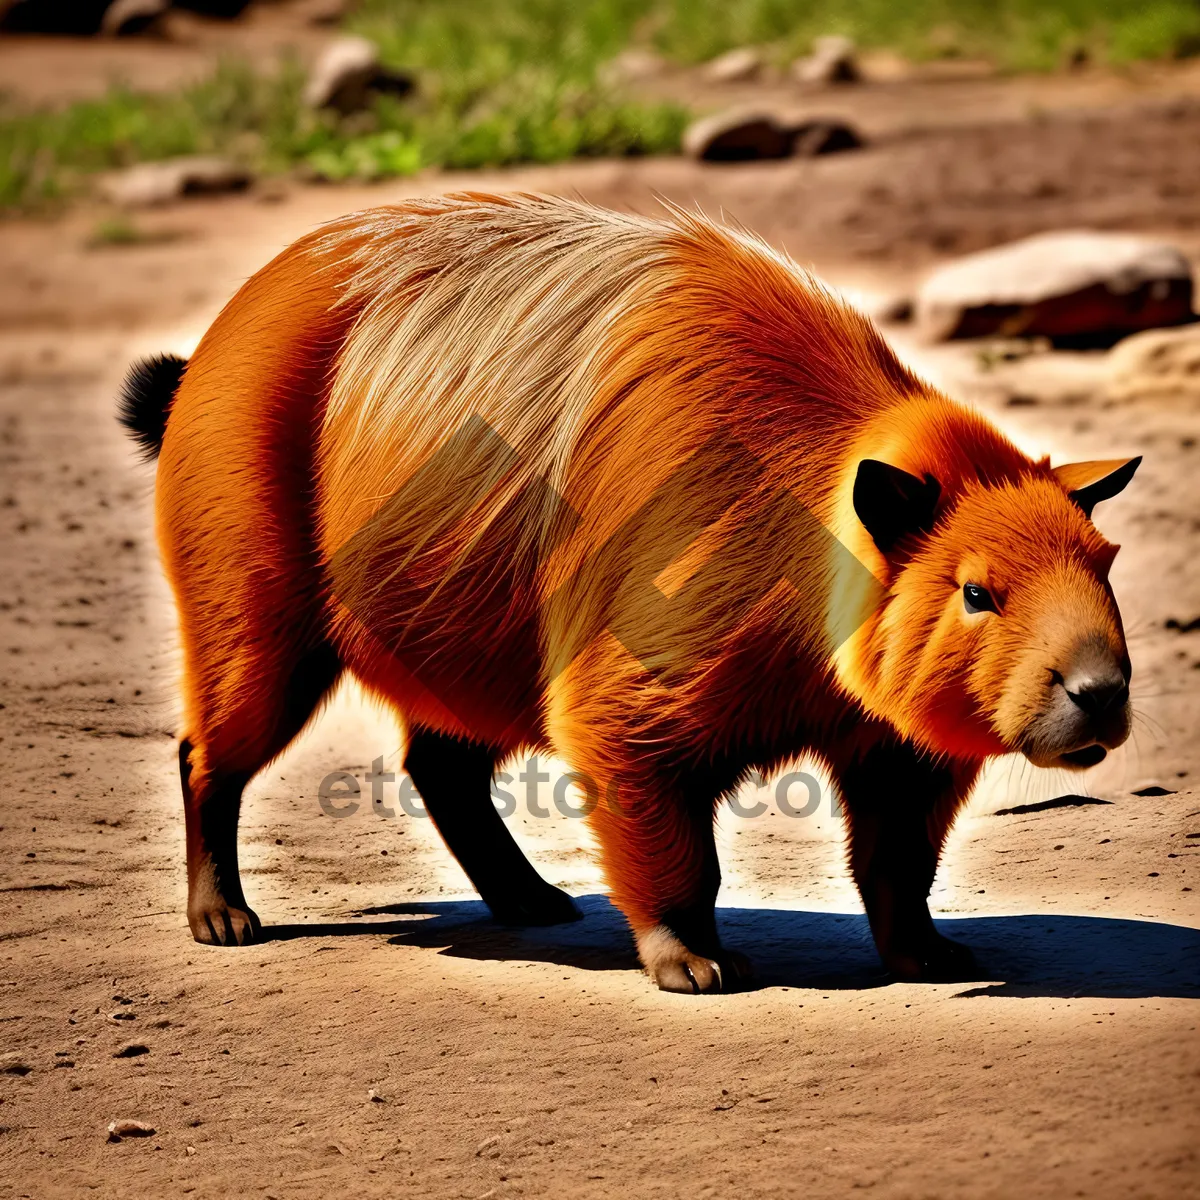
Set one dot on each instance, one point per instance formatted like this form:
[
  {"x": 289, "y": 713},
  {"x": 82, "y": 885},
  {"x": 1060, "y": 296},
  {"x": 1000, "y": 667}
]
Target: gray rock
[
  {"x": 740, "y": 136},
  {"x": 832, "y": 61},
  {"x": 734, "y": 66},
  {"x": 737, "y": 137},
  {"x": 823, "y": 137},
  {"x": 149, "y": 184},
  {"x": 1161, "y": 364},
  {"x": 346, "y": 74},
  {"x": 1073, "y": 287}
]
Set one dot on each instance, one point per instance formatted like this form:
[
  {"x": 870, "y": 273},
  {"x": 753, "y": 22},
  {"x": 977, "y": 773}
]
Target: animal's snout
[
  {"x": 1086, "y": 712},
  {"x": 1096, "y": 682},
  {"x": 1098, "y": 692}
]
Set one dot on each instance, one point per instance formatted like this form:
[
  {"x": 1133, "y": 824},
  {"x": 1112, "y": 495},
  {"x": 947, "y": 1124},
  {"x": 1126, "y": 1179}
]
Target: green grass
[
  {"x": 474, "y": 43},
  {"x": 1017, "y": 35},
  {"x": 44, "y": 155},
  {"x": 491, "y": 93},
  {"x": 511, "y": 81},
  {"x": 118, "y": 231}
]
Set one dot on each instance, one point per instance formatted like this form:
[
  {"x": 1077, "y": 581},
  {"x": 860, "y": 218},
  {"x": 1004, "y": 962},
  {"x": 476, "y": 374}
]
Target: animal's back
[{"x": 525, "y": 380}]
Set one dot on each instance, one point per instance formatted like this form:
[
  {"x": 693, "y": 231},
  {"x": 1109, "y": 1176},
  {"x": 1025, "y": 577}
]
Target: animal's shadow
[{"x": 1028, "y": 955}]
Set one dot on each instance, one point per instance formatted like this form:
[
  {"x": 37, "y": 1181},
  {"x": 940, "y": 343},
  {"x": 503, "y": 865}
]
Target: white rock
[
  {"x": 1057, "y": 285},
  {"x": 832, "y": 61},
  {"x": 158, "y": 183},
  {"x": 127, "y": 1128},
  {"x": 1161, "y": 364},
  {"x": 342, "y": 75},
  {"x": 734, "y": 66},
  {"x": 124, "y": 17}
]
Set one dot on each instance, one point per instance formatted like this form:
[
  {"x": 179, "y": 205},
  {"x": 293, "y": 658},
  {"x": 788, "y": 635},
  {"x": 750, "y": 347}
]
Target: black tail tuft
[{"x": 146, "y": 397}]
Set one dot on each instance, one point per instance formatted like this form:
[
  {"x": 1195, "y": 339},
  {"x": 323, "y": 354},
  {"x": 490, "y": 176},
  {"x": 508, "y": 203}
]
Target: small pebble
[
  {"x": 14, "y": 1064},
  {"x": 132, "y": 1050},
  {"x": 375, "y": 1097}
]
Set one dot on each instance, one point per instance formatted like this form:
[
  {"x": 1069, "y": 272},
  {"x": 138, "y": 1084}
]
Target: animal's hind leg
[
  {"x": 454, "y": 778},
  {"x": 228, "y": 744}
]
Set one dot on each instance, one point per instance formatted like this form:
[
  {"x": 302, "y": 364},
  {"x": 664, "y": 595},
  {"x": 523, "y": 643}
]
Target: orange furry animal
[{"x": 637, "y": 492}]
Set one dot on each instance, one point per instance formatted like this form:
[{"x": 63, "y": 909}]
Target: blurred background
[{"x": 369, "y": 89}]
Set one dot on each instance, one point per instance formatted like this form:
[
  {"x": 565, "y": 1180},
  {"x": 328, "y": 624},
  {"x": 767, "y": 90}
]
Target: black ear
[
  {"x": 1088, "y": 483},
  {"x": 891, "y": 503}
]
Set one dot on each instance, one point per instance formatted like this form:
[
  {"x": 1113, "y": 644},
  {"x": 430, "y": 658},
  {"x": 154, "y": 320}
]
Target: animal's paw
[
  {"x": 676, "y": 969},
  {"x": 546, "y": 905},
  {"x": 219, "y": 924},
  {"x": 940, "y": 960}
]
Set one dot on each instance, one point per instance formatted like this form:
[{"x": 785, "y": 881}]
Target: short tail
[{"x": 146, "y": 397}]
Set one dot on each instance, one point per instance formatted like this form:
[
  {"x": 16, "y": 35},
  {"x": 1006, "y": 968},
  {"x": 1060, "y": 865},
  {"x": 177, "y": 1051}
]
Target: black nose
[
  {"x": 1098, "y": 692},
  {"x": 1096, "y": 679}
]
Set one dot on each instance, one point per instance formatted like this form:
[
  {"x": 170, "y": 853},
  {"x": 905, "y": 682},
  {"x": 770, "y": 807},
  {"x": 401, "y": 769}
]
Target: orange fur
[{"x": 608, "y": 353}]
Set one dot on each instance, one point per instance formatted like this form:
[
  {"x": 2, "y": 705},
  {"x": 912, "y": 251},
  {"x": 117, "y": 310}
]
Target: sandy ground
[{"x": 508, "y": 1063}]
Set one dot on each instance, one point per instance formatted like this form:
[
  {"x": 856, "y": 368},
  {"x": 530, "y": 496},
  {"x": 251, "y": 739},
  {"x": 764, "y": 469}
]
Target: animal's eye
[{"x": 978, "y": 599}]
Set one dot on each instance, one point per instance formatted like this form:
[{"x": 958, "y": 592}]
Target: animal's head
[{"x": 998, "y": 630}]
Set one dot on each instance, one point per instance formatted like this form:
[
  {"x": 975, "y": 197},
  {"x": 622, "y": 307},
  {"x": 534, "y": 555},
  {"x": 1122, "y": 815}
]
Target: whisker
[{"x": 1150, "y": 724}]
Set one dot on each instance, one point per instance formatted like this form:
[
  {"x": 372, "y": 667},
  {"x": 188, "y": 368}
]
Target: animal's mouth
[
  {"x": 1087, "y": 756},
  {"x": 1065, "y": 734},
  {"x": 1079, "y": 758}
]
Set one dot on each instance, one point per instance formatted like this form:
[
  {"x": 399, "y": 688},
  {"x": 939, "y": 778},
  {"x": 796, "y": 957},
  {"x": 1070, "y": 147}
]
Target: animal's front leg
[
  {"x": 661, "y": 863},
  {"x": 899, "y": 805}
]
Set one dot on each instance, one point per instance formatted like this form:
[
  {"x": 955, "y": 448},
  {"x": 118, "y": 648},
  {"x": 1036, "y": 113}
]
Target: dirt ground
[{"x": 387, "y": 1039}]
